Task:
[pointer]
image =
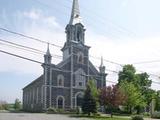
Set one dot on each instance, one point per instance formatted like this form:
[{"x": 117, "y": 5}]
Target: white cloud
[
  {"x": 33, "y": 14},
  {"x": 48, "y": 29},
  {"x": 126, "y": 52}
]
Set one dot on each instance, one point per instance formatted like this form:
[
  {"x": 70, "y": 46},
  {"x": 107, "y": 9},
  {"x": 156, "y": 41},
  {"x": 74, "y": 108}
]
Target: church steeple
[
  {"x": 75, "y": 15},
  {"x": 47, "y": 56},
  {"x": 75, "y": 30}
]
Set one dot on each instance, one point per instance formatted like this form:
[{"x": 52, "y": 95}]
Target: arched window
[
  {"x": 79, "y": 36},
  {"x": 80, "y": 78},
  {"x": 80, "y": 57},
  {"x": 60, "y": 80},
  {"x": 79, "y": 33},
  {"x": 60, "y": 102}
]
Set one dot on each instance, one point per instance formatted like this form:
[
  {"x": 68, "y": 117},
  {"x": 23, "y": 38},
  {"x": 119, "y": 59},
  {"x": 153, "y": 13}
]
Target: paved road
[
  {"x": 150, "y": 119},
  {"x": 34, "y": 116},
  {"x": 40, "y": 116}
]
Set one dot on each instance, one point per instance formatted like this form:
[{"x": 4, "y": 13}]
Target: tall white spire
[{"x": 75, "y": 15}]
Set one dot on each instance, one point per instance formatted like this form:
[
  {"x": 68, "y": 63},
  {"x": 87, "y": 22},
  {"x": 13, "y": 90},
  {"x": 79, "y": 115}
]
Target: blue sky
[{"x": 124, "y": 31}]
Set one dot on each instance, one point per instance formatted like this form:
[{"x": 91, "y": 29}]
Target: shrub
[
  {"x": 51, "y": 111},
  {"x": 60, "y": 111},
  {"x": 138, "y": 117},
  {"x": 97, "y": 114},
  {"x": 78, "y": 110},
  {"x": 156, "y": 115},
  {"x": 3, "y": 105},
  {"x": 146, "y": 114}
]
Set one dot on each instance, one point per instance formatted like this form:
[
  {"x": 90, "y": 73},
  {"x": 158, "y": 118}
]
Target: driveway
[{"x": 34, "y": 116}]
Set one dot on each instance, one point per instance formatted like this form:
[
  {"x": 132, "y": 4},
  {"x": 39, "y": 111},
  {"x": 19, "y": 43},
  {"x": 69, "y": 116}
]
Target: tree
[
  {"x": 157, "y": 98},
  {"x": 3, "y": 105},
  {"x": 93, "y": 88},
  {"x": 140, "y": 81},
  {"x": 143, "y": 80},
  {"x": 144, "y": 83},
  {"x": 111, "y": 97},
  {"x": 89, "y": 104},
  {"x": 134, "y": 96},
  {"x": 17, "y": 104},
  {"x": 127, "y": 74}
]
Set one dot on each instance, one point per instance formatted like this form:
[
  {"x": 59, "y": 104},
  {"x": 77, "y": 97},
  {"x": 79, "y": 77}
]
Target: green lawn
[
  {"x": 102, "y": 117},
  {"x": 114, "y": 118}
]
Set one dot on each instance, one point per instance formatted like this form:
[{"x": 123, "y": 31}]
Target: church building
[{"x": 62, "y": 86}]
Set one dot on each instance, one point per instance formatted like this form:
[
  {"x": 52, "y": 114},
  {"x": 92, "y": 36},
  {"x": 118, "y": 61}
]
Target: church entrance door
[
  {"x": 60, "y": 103},
  {"x": 79, "y": 100}
]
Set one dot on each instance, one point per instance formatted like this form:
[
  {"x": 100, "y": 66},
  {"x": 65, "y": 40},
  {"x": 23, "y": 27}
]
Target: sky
[{"x": 123, "y": 31}]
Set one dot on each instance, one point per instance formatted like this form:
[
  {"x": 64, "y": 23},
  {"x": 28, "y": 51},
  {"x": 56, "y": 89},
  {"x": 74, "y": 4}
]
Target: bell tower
[
  {"x": 75, "y": 29},
  {"x": 75, "y": 32}
]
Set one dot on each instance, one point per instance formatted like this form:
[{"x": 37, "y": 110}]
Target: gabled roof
[
  {"x": 64, "y": 62},
  {"x": 93, "y": 68},
  {"x": 39, "y": 78}
]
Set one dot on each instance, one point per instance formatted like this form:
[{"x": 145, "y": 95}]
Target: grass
[
  {"x": 114, "y": 118},
  {"x": 100, "y": 117}
]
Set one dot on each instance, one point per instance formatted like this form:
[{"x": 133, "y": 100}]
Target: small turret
[
  {"x": 47, "y": 56},
  {"x": 102, "y": 67}
]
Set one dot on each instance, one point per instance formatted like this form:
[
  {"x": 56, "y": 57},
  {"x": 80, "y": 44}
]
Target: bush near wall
[
  {"x": 3, "y": 105},
  {"x": 51, "y": 111},
  {"x": 156, "y": 115},
  {"x": 138, "y": 117}
]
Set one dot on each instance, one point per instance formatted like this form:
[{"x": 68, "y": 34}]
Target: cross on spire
[{"x": 75, "y": 15}]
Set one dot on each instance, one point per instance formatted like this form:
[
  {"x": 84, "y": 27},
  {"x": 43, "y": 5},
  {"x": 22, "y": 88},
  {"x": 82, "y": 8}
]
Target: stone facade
[{"x": 62, "y": 85}]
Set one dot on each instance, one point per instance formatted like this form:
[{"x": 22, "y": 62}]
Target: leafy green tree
[
  {"x": 111, "y": 97},
  {"x": 17, "y": 104},
  {"x": 4, "y": 105},
  {"x": 134, "y": 96},
  {"x": 143, "y": 80},
  {"x": 140, "y": 81},
  {"x": 93, "y": 88},
  {"x": 89, "y": 104},
  {"x": 127, "y": 74},
  {"x": 144, "y": 83},
  {"x": 157, "y": 98}
]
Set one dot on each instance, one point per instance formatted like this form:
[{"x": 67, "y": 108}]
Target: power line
[
  {"x": 29, "y": 37},
  {"x": 42, "y": 41},
  {"x": 92, "y": 20},
  {"x": 146, "y": 62},
  {"x": 106, "y": 60},
  {"x": 101, "y": 19},
  {"x": 57, "y": 56},
  {"x": 19, "y": 48},
  {"x": 18, "y": 56},
  {"x": 110, "y": 21},
  {"x": 26, "y": 48}
]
